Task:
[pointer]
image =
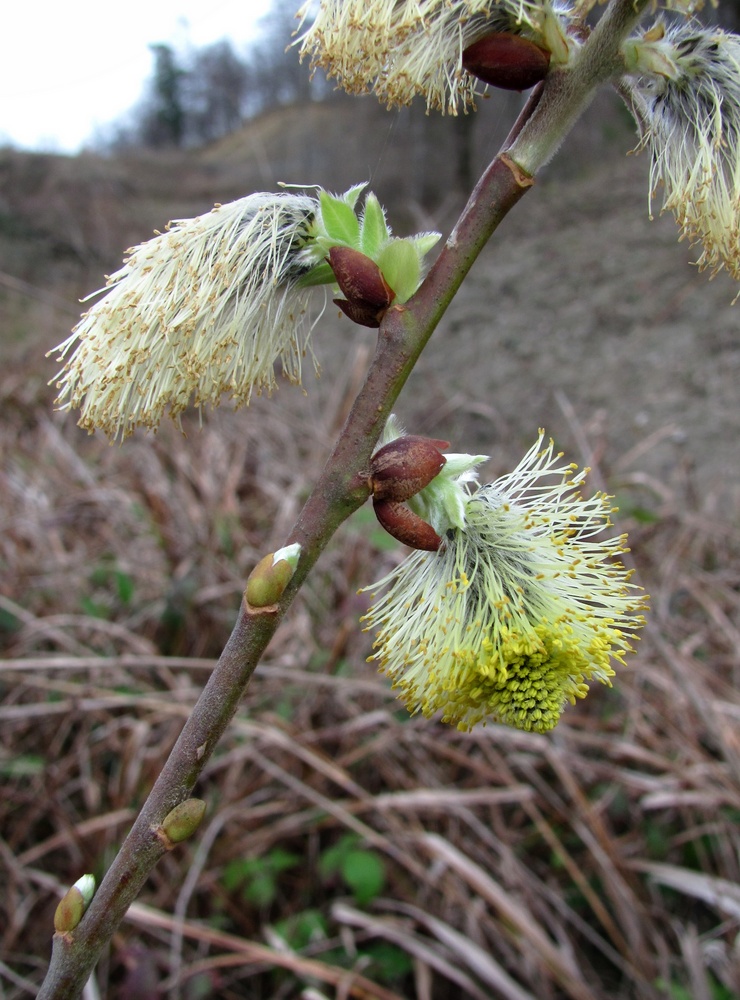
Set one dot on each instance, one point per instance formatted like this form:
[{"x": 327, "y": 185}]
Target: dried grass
[{"x": 600, "y": 861}]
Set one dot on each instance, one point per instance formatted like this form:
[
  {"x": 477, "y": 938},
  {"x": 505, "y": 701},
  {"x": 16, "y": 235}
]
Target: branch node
[
  {"x": 269, "y": 609},
  {"x": 159, "y": 833},
  {"x": 522, "y": 178}
]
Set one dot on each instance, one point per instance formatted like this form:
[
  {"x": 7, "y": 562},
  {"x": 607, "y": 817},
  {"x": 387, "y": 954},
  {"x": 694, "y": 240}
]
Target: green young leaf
[
  {"x": 95, "y": 609},
  {"x": 353, "y": 194},
  {"x": 303, "y": 928},
  {"x": 364, "y": 873},
  {"x": 24, "y": 766},
  {"x": 261, "y": 889},
  {"x": 391, "y": 962},
  {"x": 374, "y": 231},
  {"x": 125, "y": 585},
  {"x": 236, "y": 872},
  {"x": 399, "y": 262},
  {"x": 258, "y": 877},
  {"x": 279, "y": 860},
  {"x": 322, "y": 274},
  {"x": 340, "y": 224},
  {"x": 424, "y": 242},
  {"x": 332, "y": 858}
]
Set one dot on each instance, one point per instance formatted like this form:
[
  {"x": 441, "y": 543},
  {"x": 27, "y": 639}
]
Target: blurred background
[{"x": 349, "y": 850}]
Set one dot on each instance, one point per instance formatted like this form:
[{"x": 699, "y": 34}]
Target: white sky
[{"x": 70, "y": 66}]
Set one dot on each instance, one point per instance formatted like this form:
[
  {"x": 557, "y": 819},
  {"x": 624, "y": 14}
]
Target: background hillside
[{"x": 616, "y": 837}]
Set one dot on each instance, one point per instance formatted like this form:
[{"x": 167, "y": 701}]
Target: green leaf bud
[
  {"x": 73, "y": 904},
  {"x": 182, "y": 821},
  {"x": 271, "y": 575}
]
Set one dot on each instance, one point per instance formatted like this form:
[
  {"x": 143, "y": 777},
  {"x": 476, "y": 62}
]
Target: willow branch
[
  {"x": 568, "y": 90},
  {"x": 342, "y": 486}
]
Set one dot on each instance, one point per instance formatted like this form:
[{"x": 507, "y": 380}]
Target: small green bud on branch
[
  {"x": 181, "y": 822},
  {"x": 73, "y": 904},
  {"x": 270, "y": 577}
]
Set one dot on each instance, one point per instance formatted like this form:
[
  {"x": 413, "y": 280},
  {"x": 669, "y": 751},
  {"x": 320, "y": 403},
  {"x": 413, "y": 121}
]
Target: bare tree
[
  {"x": 216, "y": 92},
  {"x": 163, "y": 119}
]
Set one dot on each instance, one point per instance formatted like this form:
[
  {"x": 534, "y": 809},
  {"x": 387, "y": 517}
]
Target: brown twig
[{"x": 341, "y": 489}]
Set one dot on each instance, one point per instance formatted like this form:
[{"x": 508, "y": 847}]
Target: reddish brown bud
[
  {"x": 360, "y": 279},
  {"x": 405, "y": 465},
  {"x": 361, "y": 314},
  {"x": 507, "y": 61},
  {"x": 406, "y": 526}
]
